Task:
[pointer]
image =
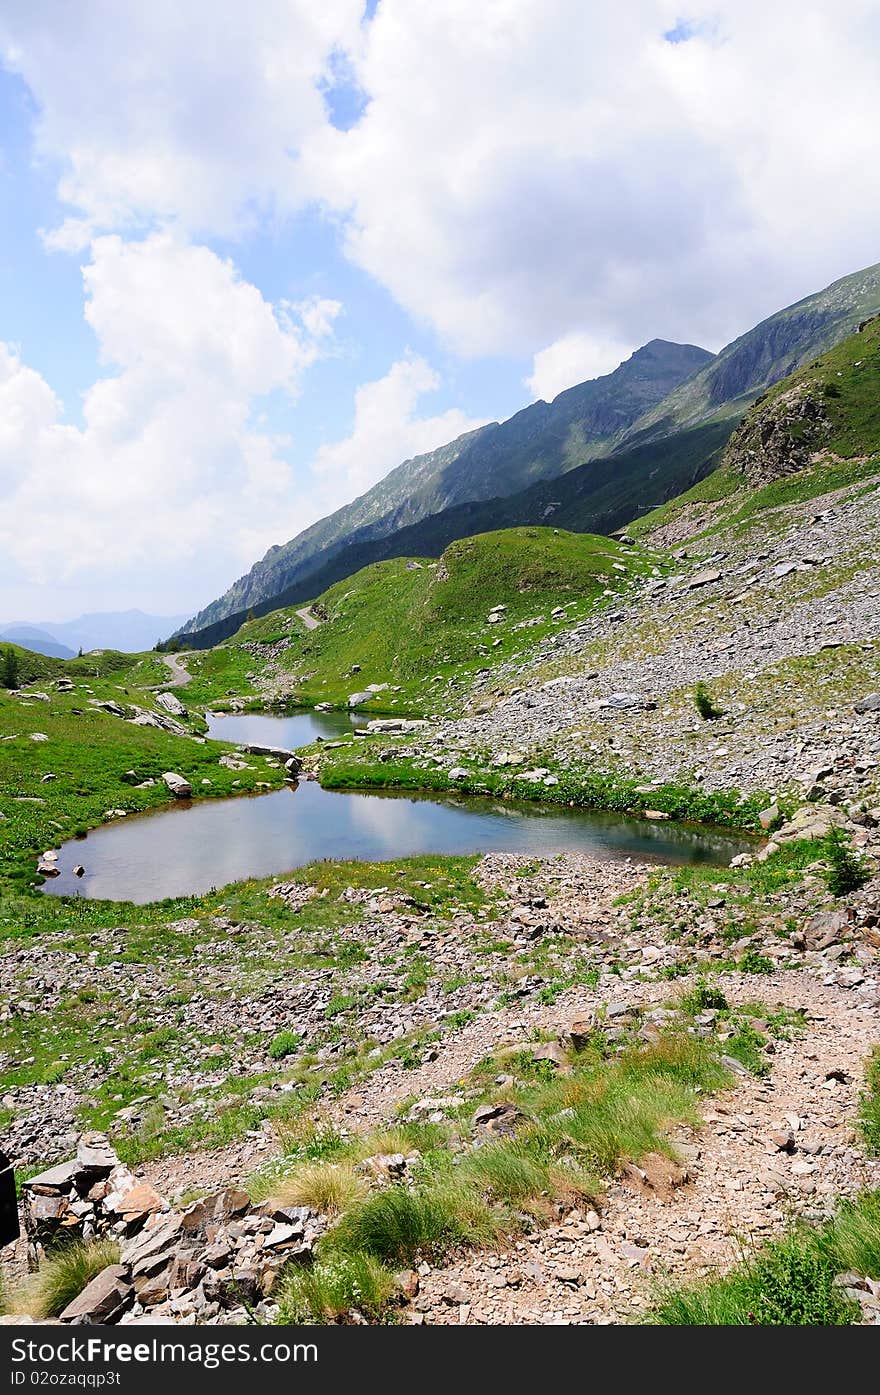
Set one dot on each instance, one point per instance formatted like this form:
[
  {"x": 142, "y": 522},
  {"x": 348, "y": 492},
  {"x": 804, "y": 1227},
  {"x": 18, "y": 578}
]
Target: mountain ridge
[
  {"x": 544, "y": 442},
  {"x": 543, "y": 439},
  {"x": 128, "y": 631}
]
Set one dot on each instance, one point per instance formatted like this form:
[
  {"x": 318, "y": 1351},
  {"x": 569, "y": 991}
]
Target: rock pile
[
  {"x": 92, "y": 1195},
  {"x": 215, "y": 1260}
]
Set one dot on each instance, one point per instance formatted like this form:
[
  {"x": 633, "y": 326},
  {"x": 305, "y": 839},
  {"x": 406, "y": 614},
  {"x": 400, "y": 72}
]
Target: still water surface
[{"x": 192, "y": 847}]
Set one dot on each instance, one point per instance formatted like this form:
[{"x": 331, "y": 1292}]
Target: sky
[{"x": 254, "y": 256}]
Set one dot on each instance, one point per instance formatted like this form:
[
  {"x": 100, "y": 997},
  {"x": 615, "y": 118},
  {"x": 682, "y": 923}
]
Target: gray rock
[
  {"x": 94, "y": 1153},
  {"x": 171, "y": 704},
  {"x": 104, "y": 1300},
  {"x": 179, "y": 787}
]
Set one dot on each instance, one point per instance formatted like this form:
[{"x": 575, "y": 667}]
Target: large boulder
[
  {"x": 289, "y": 759},
  {"x": 172, "y": 704},
  {"x": 104, "y": 1300},
  {"x": 179, "y": 787}
]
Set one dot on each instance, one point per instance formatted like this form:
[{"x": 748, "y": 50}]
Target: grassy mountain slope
[
  {"x": 598, "y": 497},
  {"x": 613, "y": 416},
  {"x": 540, "y": 442},
  {"x": 411, "y": 623},
  {"x": 815, "y": 431}
]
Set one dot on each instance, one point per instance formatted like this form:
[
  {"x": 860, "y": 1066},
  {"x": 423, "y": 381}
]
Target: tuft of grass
[
  {"x": 284, "y": 1044},
  {"x": 63, "y": 1276},
  {"x": 845, "y": 870},
  {"x": 507, "y": 1172},
  {"x": 328, "y": 1187},
  {"x": 333, "y": 1287},
  {"x": 869, "y": 1106},
  {"x": 397, "y": 1226},
  {"x": 623, "y": 1108}
]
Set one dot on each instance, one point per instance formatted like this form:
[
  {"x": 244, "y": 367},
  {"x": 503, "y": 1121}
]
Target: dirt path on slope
[
  {"x": 179, "y": 675},
  {"x": 743, "y": 1186}
]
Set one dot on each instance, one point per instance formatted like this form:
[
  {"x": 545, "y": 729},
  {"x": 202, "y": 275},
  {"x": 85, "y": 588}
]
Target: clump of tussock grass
[
  {"x": 327, "y": 1187},
  {"x": 333, "y": 1286},
  {"x": 869, "y": 1106},
  {"x": 396, "y": 1225}
]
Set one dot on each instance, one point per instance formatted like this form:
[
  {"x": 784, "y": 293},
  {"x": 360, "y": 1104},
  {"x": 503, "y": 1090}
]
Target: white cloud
[
  {"x": 190, "y": 112},
  {"x": 387, "y": 430},
  {"x": 523, "y": 170},
  {"x": 574, "y": 358},
  {"x": 168, "y": 471},
  {"x": 530, "y": 168}
]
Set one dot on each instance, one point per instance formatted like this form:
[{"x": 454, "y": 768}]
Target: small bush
[
  {"x": 325, "y": 1186},
  {"x": 284, "y": 1044},
  {"x": 703, "y": 998},
  {"x": 63, "y": 1276},
  {"x": 332, "y": 1287},
  {"x": 704, "y": 704},
  {"x": 747, "y": 1046},
  {"x": 846, "y": 871},
  {"x": 754, "y": 963}
]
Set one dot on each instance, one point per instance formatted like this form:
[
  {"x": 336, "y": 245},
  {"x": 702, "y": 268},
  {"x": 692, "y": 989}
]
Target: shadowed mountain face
[
  {"x": 597, "y": 497},
  {"x": 629, "y": 441},
  {"x": 540, "y": 442}
]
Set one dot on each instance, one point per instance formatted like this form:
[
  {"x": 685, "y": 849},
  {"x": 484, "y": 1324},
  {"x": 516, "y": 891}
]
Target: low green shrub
[
  {"x": 845, "y": 870},
  {"x": 704, "y": 704},
  {"x": 753, "y": 962},
  {"x": 284, "y": 1044}
]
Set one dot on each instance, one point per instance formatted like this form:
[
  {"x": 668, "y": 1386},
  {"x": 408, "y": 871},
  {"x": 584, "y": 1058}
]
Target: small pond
[
  {"x": 191, "y": 847},
  {"x": 296, "y": 727}
]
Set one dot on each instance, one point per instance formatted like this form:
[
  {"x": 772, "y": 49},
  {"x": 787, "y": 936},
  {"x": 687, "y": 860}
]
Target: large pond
[
  {"x": 192, "y": 847},
  {"x": 298, "y": 727}
]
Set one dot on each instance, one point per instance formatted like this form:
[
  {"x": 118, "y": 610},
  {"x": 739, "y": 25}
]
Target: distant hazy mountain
[
  {"x": 37, "y": 640},
  {"x": 630, "y": 440},
  {"x": 127, "y": 630},
  {"x": 540, "y": 442}
]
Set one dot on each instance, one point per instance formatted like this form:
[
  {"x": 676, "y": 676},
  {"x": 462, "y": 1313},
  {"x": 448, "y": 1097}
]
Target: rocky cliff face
[
  {"x": 763, "y": 356},
  {"x": 778, "y": 439}
]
